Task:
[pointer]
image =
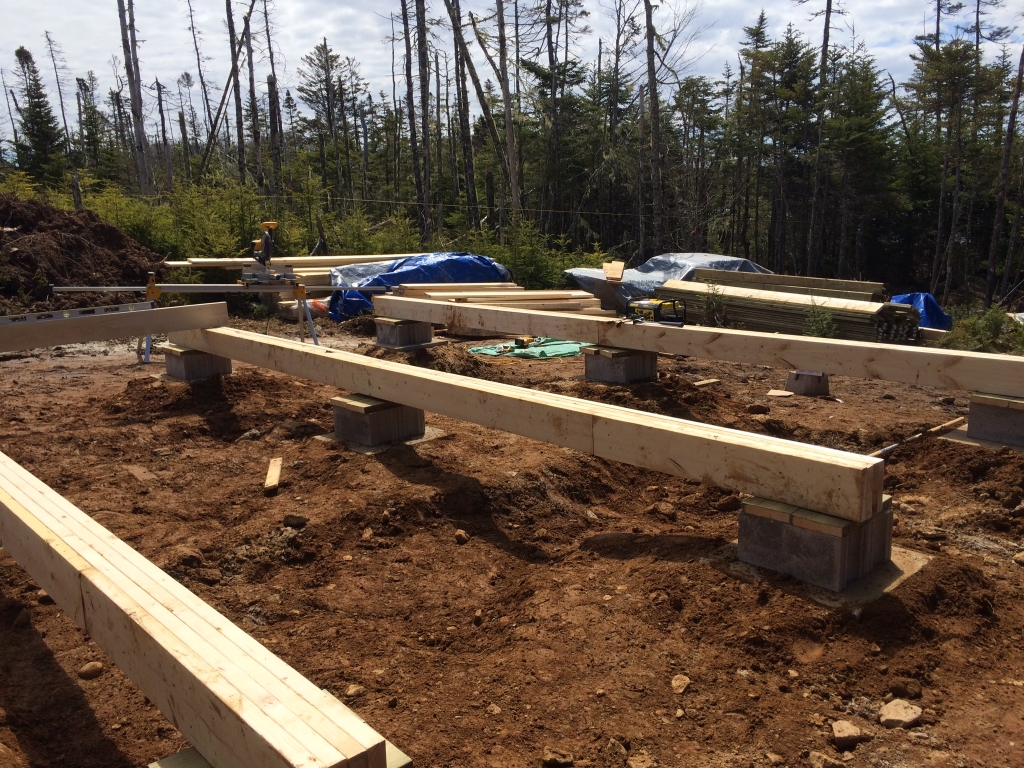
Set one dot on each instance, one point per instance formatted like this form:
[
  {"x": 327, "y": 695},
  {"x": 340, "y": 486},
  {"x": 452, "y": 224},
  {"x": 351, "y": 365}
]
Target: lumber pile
[
  {"x": 240, "y": 705},
  {"x": 504, "y": 295},
  {"x": 776, "y": 312},
  {"x": 858, "y": 290}
]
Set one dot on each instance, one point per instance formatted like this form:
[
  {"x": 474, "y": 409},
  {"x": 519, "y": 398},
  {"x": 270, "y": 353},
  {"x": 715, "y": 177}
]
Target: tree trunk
[
  {"x": 510, "y": 130},
  {"x": 956, "y": 210},
  {"x": 465, "y": 131},
  {"x": 344, "y": 136},
  {"x": 424, "y": 74},
  {"x": 410, "y": 98},
  {"x": 168, "y": 168},
  {"x": 237, "y": 93},
  {"x": 1004, "y": 173},
  {"x": 440, "y": 146},
  {"x": 657, "y": 203},
  {"x": 186, "y": 153},
  {"x": 274, "y": 105},
  {"x": 937, "y": 261},
  {"x": 257, "y": 139},
  {"x": 140, "y": 144},
  {"x": 199, "y": 68},
  {"x": 1014, "y": 231},
  {"x": 550, "y": 172}
]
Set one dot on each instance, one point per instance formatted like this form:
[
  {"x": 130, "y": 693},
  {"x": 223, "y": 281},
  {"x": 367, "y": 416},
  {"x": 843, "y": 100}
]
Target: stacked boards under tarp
[
  {"x": 857, "y": 290},
  {"x": 505, "y": 295},
  {"x": 791, "y": 313}
]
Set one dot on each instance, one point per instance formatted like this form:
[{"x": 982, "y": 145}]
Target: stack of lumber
[
  {"x": 504, "y": 295},
  {"x": 777, "y": 312},
  {"x": 240, "y": 705},
  {"x": 299, "y": 263},
  {"x": 857, "y": 290}
]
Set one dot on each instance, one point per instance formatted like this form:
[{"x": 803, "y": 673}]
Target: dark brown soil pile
[{"x": 41, "y": 245}]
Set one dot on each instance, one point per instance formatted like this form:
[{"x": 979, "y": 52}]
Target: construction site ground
[{"x": 585, "y": 587}]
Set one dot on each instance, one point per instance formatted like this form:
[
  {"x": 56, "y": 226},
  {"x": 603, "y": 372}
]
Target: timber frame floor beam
[
  {"x": 942, "y": 368},
  {"x": 18, "y": 337},
  {"x": 833, "y": 482},
  {"x": 240, "y": 705}
]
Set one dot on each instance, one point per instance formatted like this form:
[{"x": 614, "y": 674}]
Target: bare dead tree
[
  {"x": 57, "y": 59},
  {"x": 254, "y": 108},
  {"x": 413, "y": 143},
  {"x": 139, "y": 141},
  {"x": 424, "y": 73},
  {"x": 199, "y": 68},
  {"x": 236, "y": 90},
  {"x": 168, "y": 169},
  {"x": 465, "y": 137}
]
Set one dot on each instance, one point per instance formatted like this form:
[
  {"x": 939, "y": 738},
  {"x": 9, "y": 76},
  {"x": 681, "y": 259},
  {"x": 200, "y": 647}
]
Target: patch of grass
[{"x": 978, "y": 330}]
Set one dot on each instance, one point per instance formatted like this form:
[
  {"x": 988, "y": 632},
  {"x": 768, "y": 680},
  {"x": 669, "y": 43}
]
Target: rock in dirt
[
  {"x": 23, "y": 619},
  {"x": 43, "y": 598},
  {"x": 820, "y": 760},
  {"x": 845, "y": 735},
  {"x": 899, "y": 713},
  {"x": 91, "y": 671},
  {"x": 493, "y": 709},
  {"x": 729, "y": 504},
  {"x": 295, "y": 521},
  {"x": 461, "y": 537},
  {"x": 906, "y": 688},
  {"x": 757, "y": 409},
  {"x": 663, "y": 510},
  {"x": 556, "y": 758},
  {"x": 354, "y": 690},
  {"x": 680, "y": 683},
  {"x": 774, "y": 759},
  {"x": 643, "y": 760},
  {"x": 252, "y": 434},
  {"x": 1019, "y": 558}
]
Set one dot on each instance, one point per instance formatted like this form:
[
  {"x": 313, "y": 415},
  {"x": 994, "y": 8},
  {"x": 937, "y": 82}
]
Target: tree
[{"x": 40, "y": 144}]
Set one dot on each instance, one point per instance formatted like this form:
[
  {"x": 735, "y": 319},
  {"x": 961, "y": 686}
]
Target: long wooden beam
[
  {"x": 942, "y": 368},
  {"x": 302, "y": 261},
  {"x": 17, "y": 337},
  {"x": 834, "y": 482},
  {"x": 238, "y": 703}
]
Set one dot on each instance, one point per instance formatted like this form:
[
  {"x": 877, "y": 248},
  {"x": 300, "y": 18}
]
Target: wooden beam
[
  {"x": 942, "y": 368},
  {"x": 273, "y": 477},
  {"x": 834, "y": 482},
  {"x": 16, "y": 337},
  {"x": 710, "y": 275},
  {"x": 302, "y": 261},
  {"x": 613, "y": 271},
  {"x": 240, "y": 705}
]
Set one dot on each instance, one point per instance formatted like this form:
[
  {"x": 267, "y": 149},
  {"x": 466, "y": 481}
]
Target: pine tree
[{"x": 41, "y": 141}]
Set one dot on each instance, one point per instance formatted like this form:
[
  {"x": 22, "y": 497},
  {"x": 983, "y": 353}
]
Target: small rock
[
  {"x": 295, "y": 521},
  {"x": 757, "y": 408},
  {"x": 493, "y": 709},
  {"x": 819, "y": 760},
  {"x": 899, "y": 713},
  {"x": 875, "y": 649},
  {"x": 729, "y": 504},
  {"x": 1019, "y": 558},
  {"x": 354, "y": 690},
  {"x": 679, "y": 684},
  {"x": 43, "y": 598},
  {"x": 91, "y": 671},
  {"x": 679, "y": 714},
  {"x": 793, "y": 674},
  {"x": 23, "y": 619},
  {"x": 478, "y": 618},
  {"x": 542, "y": 535},
  {"x": 887, "y": 396},
  {"x": 618, "y": 747},
  {"x": 906, "y": 688},
  {"x": 556, "y": 758},
  {"x": 252, "y": 434},
  {"x": 774, "y": 759},
  {"x": 845, "y": 734},
  {"x": 461, "y": 537},
  {"x": 600, "y": 692},
  {"x": 947, "y": 400},
  {"x": 367, "y": 534},
  {"x": 393, "y": 702},
  {"x": 662, "y": 509},
  {"x": 643, "y": 760}
]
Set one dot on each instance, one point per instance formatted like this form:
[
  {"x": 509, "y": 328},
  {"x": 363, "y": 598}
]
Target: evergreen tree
[{"x": 41, "y": 141}]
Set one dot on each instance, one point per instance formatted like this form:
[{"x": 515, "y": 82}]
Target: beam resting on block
[
  {"x": 843, "y": 484},
  {"x": 943, "y": 368}
]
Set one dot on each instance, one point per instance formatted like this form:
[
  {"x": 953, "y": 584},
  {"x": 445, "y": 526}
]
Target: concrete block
[
  {"x": 996, "y": 419},
  {"x": 369, "y": 421},
  {"x": 809, "y": 383},
  {"x": 191, "y": 364},
  {"x": 396, "y": 334},
  {"x": 619, "y": 366},
  {"x": 826, "y": 551}
]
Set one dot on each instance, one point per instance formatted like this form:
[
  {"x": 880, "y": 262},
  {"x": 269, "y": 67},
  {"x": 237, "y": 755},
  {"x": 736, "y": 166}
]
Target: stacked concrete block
[
  {"x": 369, "y": 421},
  {"x": 996, "y": 418},
  {"x": 826, "y": 551},
  {"x": 619, "y": 366},
  {"x": 809, "y": 383},
  {"x": 397, "y": 334},
  {"x": 191, "y": 364}
]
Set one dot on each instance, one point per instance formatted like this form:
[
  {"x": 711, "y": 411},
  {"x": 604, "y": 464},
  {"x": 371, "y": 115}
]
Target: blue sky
[{"x": 88, "y": 32}]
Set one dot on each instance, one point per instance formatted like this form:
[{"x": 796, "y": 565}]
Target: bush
[
  {"x": 820, "y": 323},
  {"x": 978, "y": 330}
]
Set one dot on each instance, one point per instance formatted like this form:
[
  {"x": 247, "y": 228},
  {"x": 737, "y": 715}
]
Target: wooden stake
[{"x": 273, "y": 477}]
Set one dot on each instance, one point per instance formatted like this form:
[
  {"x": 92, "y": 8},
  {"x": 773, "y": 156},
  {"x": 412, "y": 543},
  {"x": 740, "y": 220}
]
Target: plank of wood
[
  {"x": 17, "y": 337},
  {"x": 273, "y": 476},
  {"x": 301, "y": 261},
  {"x": 942, "y": 368},
  {"x": 485, "y": 296},
  {"x": 613, "y": 271},
  {"x": 798, "y": 299},
  {"x": 807, "y": 291},
  {"x": 260, "y": 678},
  {"x": 702, "y": 273},
  {"x": 838, "y": 483}
]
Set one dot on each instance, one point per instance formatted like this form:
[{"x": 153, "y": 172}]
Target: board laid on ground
[
  {"x": 943, "y": 368},
  {"x": 240, "y": 705},
  {"x": 858, "y": 290},
  {"x": 834, "y": 482},
  {"x": 50, "y": 329},
  {"x": 775, "y": 311}
]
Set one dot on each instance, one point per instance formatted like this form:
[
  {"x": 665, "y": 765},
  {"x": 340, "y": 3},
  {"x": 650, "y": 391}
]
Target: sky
[{"x": 88, "y": 33}]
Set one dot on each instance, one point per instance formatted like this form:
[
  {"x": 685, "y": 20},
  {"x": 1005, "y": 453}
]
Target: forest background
[{"x": 498, "y": 137}]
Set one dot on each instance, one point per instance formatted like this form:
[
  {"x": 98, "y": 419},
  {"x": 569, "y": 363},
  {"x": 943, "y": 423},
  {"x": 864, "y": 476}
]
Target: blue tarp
[
  {"x": 428, "y": 268},
  {"x": 932, "y": 315},
  {"x": 640, "y": 283}
]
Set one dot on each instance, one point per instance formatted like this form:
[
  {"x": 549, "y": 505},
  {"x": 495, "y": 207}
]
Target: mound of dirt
[
  {"x": 448, "y": 358},
  {"x": 41, "y": 245}
]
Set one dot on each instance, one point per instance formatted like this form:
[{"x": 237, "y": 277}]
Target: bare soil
[{"x": 586, "y": 586}]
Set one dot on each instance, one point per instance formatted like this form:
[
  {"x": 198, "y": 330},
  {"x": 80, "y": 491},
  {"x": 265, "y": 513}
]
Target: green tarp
[{"x": 538, "y": 348}]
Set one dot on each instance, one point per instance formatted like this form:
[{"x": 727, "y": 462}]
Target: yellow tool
[{"x": 657, "y": 311}]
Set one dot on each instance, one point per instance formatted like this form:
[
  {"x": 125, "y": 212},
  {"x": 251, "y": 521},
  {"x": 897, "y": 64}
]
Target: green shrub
[
  {"x": 819, "y": 323},
  {"x": 978, "y": 330}
]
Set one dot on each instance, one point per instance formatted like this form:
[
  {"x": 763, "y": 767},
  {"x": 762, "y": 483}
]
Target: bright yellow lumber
[{"x": 273, "y": 476}]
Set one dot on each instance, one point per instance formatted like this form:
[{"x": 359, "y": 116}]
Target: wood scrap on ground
[{"x": 273, "y": 480}]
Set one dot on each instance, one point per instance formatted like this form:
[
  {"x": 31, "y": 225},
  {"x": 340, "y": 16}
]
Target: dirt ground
[{"x": 586, "y": 586}]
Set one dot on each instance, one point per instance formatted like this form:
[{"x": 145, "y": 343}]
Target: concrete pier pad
[
  {"x": 368, "y": 421},
  {"x": 996, "y": 419},
  {"x": 826, "y": 551},
  {"x": 809, "y": 383},
  {"x": 619, "y": 366},
  {"x": 400, "y": 334},
  {"x": 190, "y": 364}
]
